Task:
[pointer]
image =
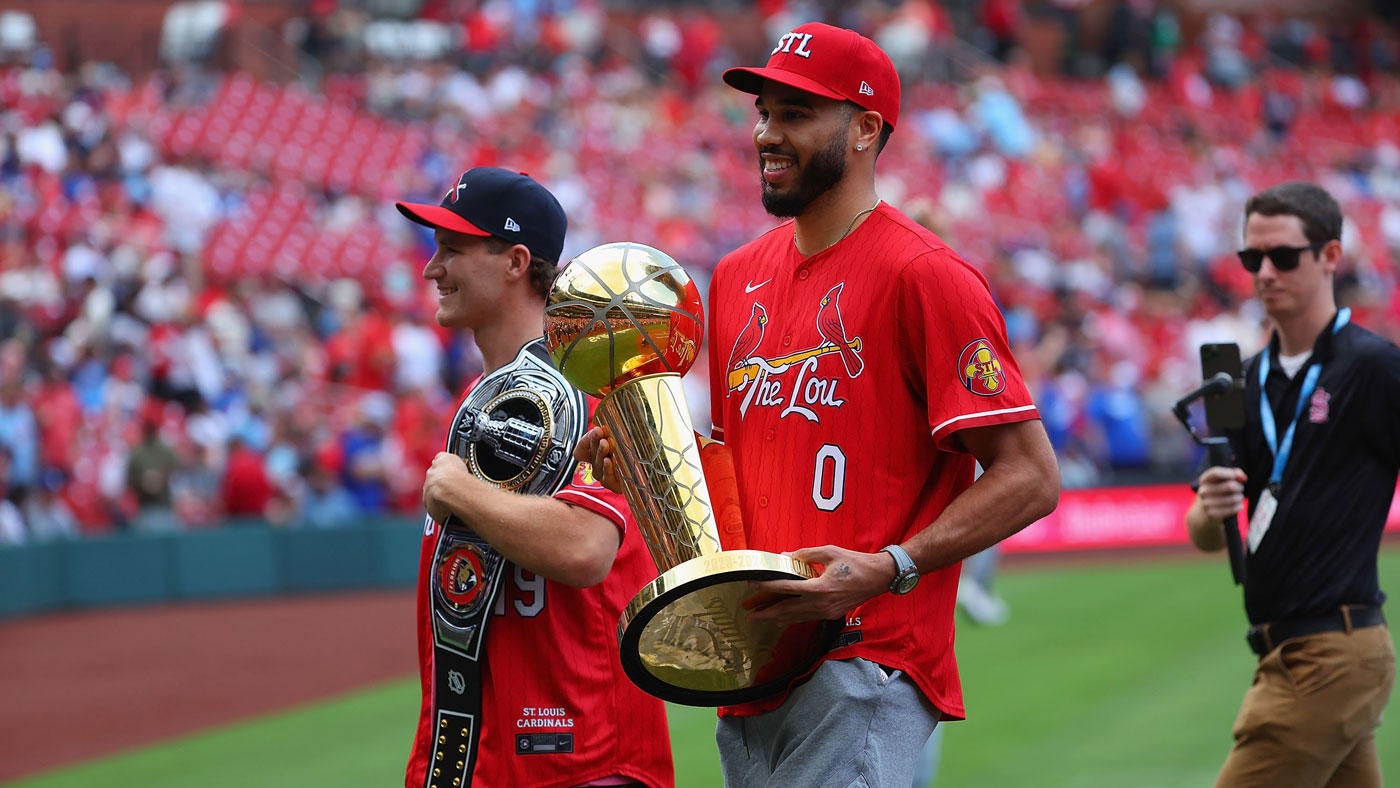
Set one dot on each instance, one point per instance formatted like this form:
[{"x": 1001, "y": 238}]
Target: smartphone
[{"x": 1224, "y": 411}]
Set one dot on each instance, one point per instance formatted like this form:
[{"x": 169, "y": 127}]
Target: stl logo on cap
[
  {"x": 832, "y": 62},
  {"x": 785, "y": 44}
]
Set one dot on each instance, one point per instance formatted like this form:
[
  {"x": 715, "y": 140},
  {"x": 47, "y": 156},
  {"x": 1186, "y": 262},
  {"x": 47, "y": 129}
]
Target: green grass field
[{"x": 1106, "y": 675}]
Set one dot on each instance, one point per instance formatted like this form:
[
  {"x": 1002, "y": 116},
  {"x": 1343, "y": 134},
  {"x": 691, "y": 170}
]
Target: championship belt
[{"x": 516, "y": 429}]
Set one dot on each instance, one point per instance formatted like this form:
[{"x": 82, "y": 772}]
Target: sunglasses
[{"x": 1284, "y": 258}]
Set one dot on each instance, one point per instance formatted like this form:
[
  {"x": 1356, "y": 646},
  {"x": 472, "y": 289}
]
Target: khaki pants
[{"x": 1310, "y": 717}]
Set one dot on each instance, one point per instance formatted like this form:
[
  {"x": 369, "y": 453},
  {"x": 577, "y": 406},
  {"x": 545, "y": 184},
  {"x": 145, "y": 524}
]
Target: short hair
[
  {"x": 1319, "y": 212},
  {"x": 542, "y": 271},
  {"x": 885, "y": 130},
  {"x": 885, "y": 133}
]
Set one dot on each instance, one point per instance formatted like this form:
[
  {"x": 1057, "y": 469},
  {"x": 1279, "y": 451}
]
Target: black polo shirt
[{"x": 1320, "y": 551}]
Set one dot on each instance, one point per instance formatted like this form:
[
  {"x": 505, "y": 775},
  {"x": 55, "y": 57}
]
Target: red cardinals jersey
[
  {"x": 552, "y": 667},
  {"x": 838, "y": 381}
]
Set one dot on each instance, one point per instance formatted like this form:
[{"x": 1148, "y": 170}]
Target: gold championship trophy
[{"x": 624, "y": 322}]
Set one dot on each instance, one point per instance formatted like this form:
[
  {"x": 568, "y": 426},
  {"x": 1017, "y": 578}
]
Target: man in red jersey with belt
[
  {"x": 526, "y": 561},
  {"x": 859, "y": 372}
]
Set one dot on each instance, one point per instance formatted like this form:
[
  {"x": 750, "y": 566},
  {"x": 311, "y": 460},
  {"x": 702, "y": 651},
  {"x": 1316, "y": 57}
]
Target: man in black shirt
[{"x": 1318, "y": 458}]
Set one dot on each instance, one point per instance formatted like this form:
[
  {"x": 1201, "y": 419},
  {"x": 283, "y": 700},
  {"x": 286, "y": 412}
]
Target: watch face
[{"x": 905, "y": 583}]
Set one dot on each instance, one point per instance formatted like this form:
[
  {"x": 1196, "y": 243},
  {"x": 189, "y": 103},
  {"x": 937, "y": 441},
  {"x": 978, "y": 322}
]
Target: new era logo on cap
[
  {"x": 490, "y": 197},
  {"x": 828, "y": 61}
]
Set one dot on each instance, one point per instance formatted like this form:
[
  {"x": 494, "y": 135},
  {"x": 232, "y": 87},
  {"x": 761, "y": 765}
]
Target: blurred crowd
[{"x": 210, "y": 311}]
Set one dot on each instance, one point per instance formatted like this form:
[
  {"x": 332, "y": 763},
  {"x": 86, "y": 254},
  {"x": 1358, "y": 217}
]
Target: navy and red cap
[
  {"x": 492, "y": 201},
  {"x": 832, "y": 62}
]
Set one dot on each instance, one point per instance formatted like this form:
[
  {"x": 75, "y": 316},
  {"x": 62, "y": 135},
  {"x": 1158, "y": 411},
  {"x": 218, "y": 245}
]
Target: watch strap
[{"x": 903, "y": 565}]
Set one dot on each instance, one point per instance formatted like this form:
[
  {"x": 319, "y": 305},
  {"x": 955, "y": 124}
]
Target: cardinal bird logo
[
  {"x": 831, "y": 329},
  {"x": 749, "y": 338}
]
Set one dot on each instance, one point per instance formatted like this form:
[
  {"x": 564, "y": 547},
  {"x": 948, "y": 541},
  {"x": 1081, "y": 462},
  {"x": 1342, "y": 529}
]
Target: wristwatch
[{"x": 906, "y": 575}]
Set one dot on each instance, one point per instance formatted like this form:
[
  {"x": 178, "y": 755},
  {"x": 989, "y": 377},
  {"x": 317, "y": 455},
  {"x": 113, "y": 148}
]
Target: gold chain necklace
[{"x": 849, "y": 228}]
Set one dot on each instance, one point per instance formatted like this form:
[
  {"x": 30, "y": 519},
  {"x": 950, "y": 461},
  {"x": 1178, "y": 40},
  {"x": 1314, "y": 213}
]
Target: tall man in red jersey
[
  {"x": 879, "y": 379},
  {"x": 859, "y": 372},
  {"x": 519, "y": 594}
]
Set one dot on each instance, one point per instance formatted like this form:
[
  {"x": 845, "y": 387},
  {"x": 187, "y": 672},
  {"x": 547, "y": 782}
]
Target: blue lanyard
[{"x": 1266, "y": 410}]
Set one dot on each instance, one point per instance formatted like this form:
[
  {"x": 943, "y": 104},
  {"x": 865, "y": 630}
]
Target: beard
[{"x": 825, "y": 169}]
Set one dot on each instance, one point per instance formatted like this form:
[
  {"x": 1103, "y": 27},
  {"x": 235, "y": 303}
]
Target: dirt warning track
[{"x": 80, "y": 686}]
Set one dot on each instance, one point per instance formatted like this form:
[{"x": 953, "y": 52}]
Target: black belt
[{"x": 1262, "y": 638}]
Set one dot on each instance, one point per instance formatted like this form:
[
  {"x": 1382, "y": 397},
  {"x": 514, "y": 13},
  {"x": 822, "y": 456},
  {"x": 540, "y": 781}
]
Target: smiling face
[
  {"x": 801, "y": 140},
  {"x": 469, "y": 276},
  {"x": 1302, "y": 291}
]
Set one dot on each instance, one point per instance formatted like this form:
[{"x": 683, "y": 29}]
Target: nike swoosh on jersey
[{"x": 750, "y": 287}]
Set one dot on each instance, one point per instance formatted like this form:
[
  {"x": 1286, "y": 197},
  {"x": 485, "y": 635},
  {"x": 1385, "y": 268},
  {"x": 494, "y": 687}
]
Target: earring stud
[{"x": 860, "y": 147}]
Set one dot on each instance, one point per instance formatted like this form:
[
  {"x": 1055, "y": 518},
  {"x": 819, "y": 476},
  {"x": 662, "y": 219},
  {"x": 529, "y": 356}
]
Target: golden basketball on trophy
[{"x": 624, "y": 322}]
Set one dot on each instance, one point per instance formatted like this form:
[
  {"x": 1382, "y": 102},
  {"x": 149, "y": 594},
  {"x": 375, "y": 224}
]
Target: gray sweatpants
[{"x": 852, "y": 724}]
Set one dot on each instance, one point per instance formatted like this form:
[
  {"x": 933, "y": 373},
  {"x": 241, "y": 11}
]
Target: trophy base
[{"x": 686, "y": 638}]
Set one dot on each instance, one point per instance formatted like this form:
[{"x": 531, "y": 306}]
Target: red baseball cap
[{"x": 828, "y": 61}]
